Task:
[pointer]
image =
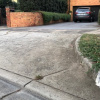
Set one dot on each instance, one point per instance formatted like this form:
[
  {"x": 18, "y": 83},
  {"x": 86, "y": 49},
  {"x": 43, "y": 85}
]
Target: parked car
[{"x": 84, "y": 13}]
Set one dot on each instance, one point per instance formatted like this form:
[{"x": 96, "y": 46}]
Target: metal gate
[
  {"x": 94, "y": 8},
  {"x": 2, "y": 16}
]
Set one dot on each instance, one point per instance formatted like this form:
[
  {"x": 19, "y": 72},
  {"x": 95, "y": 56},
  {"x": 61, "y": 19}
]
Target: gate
[{"x": 2, "y": 16}]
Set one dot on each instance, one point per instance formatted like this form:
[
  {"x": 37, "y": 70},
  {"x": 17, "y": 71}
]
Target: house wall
[{"x": 82, "y": 3}]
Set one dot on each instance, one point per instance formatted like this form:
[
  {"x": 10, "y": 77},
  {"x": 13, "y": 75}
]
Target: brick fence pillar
[
  {"x": 8, "y": 20},
  {"x": 0, "y": 16}
]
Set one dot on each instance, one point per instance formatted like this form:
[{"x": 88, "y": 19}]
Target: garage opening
[{"x": 94, "y": 8}]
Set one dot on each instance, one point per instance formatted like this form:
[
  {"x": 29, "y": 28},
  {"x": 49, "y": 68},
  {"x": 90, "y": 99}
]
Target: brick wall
[
  {"x": 83, "y": 3},
  {"x": 8, "y": 17},
  {"x": 23, "y": 19}
]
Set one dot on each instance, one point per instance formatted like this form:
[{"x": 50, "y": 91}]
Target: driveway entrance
[
  {"x": 60, "y": 26},
  {"x": 48, "y": 51}
]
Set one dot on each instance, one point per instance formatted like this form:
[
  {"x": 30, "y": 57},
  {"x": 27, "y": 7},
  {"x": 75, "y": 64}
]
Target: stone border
[{"x": 83, "y": 60}]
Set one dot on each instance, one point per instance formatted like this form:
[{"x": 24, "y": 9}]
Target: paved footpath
[{"x": 27, "y": 52}]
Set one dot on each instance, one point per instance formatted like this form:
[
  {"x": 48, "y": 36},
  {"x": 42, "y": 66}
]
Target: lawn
[{"x": 90, "y": 47}]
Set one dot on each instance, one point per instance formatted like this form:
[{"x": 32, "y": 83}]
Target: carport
[{"x": 94, "y": 8}]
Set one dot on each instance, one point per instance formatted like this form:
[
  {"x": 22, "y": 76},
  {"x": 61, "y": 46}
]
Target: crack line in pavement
[
  {"x": 55, "y": 72},
  {"x": 16, "y": 90},
  {"x": 61, "y": 90},
  {"x": 28, "y": 83},
  {"x": 10, "y": 93},
  {"x": 16, "y": 73}
]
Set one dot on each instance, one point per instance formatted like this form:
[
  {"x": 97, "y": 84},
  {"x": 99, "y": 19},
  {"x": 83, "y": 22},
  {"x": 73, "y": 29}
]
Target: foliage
[
  {"x": 4, "y": 3},
  {"x": 38, "y": 77},
  {"x": 18, "y": 11},
  {"x": 99, "y": 17},
  {"x": 59, "y": 6},
  {"x": 90, "y": 47},
  {"x": 50, "y": 16}
]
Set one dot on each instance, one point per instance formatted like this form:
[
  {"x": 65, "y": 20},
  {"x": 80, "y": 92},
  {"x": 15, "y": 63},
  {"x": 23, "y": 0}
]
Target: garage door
[{"x": 94, "y": 8}]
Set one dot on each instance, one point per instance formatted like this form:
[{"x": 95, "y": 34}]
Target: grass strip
[{"x": 90, "y": 47}]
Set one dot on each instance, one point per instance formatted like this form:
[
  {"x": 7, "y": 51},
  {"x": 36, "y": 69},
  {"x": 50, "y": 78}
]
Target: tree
[
  {"x": 59, "y": 6},
  {"x": 4, "y": 3}
]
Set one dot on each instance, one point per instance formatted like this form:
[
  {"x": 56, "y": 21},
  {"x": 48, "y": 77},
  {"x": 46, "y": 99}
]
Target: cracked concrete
[
  {"x": 12, "y": 91},
  {"x": 33, "y": 51},
  {"x": 28, "y": 52},
  {"x": 7, "y": 89}
]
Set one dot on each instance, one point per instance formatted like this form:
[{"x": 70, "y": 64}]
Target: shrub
[
  {"x": 50, "y": 16},
  {"x": 18, "y": 11},
  {"x": 59, "y": 6},
  {"x": 99, "y": 17}
]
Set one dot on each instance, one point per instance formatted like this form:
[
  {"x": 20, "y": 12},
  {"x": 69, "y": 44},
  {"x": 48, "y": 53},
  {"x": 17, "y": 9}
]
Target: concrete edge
[
  {"x": 50, "y": 92},
  {"x": 35, "y": 87},
  {"x": 14, "y": 78},
  {"x": 87, "y": 64}
]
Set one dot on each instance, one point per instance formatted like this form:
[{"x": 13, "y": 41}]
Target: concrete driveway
[
  {"x": 59, "y": 26},
  {"x": 47, "y": 51},
  {"x": 69, "y": 25}
]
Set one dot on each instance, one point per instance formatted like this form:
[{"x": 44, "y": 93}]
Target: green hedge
[
  {"x": 99, "y": 17},
  {"x": 59, "y": 6},
  {"x": 50, "y": 16}
]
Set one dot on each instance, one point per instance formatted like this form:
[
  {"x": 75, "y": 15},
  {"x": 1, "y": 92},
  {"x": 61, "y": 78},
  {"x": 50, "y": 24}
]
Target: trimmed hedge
[
  {"x": 99, "y": 17},
  {"x": 58, "y": 6},
  {"x": 50, "y": 16}
]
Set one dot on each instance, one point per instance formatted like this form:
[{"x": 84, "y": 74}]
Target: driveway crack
[{"x": 10, "y": 93}]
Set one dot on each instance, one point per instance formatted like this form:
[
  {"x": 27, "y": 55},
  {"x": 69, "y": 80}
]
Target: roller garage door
[{"x": 94, "y": 8}]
